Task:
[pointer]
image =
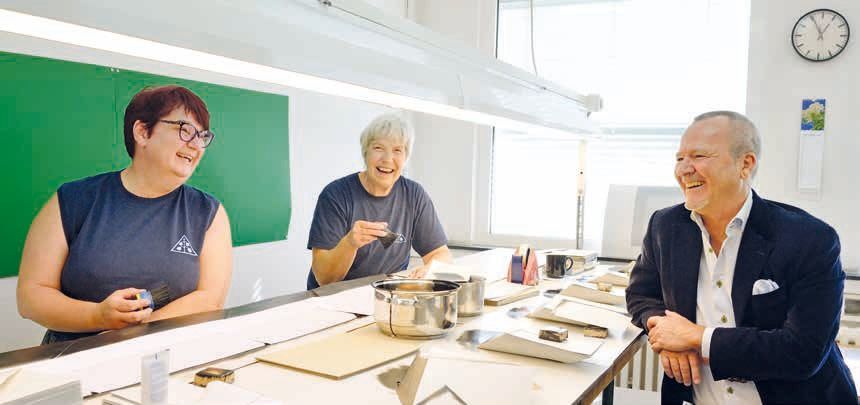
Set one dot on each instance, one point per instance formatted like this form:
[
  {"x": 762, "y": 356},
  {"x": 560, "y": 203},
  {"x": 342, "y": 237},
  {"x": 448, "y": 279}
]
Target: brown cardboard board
[{"x": 344, "y": 354}]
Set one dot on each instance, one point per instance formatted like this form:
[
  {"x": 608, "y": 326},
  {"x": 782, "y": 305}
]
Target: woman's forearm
[
  {"x": 56, "y": 311},
  {"x": 442, "y": 254},
  {"x": 330, "y": 266},
  {"x": 196, "y": 301}
]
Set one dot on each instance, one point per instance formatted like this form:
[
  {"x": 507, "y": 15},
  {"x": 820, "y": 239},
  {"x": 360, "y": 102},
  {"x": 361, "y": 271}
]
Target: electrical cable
[{"x": 532, "y": 34}]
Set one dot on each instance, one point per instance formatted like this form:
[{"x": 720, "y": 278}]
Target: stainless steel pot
[
  {"x": 470, "y": 298},
  {"x": 415, "y": 309}
]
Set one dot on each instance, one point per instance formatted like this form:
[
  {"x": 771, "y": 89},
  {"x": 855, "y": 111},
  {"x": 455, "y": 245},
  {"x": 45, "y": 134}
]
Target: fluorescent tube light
[{"x": 50, "y": 29}]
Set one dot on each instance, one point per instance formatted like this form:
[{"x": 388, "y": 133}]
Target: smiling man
[
  {"x": 366, "y": 223},
  {"x": 740, "y": 296}
]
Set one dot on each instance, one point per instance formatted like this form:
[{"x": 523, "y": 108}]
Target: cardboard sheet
[{"x": 343, "y": 355}]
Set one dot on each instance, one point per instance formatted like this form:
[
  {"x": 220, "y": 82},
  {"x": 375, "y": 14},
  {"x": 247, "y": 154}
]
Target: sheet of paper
[
  {"x": 589, "y": 291},
  {"x": 5, "y": 374},
  {"x": 235, "y": 364},
  {"x": 492, "y": 264},
  {"x": 287, "y": 322},
  {"x": 178, "y": 392},
  {"x": 40, "y": 387},
  {"x": 467, "y": 380},
  {"x": 356, "y": 300},
  {"x": 527, "y": 343},
  {"x": 592, "y": 315},
  {"x": 345, "y": 354},
  {"x": 499, "y": 289},
  {"x": 445, "y": 271},
  {"x": 118, "y": 365},
  {"x": 219, "y": 393}
]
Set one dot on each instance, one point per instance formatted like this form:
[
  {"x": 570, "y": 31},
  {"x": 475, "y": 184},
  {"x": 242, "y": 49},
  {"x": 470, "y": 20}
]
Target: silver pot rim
[{"x": 448, "y": 286}]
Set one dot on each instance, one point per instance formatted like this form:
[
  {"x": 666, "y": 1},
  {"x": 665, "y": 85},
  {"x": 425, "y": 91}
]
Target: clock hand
[
  {"x": 825, "y": 28},
  {"x": 817, "y": 28}
]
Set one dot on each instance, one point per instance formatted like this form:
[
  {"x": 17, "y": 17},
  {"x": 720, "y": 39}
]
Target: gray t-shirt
[
  {"x": 407, "y": 209},
  {"x": 119, "y": 240}
]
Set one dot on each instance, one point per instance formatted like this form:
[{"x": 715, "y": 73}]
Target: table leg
[{"x": 608, "y": 393}]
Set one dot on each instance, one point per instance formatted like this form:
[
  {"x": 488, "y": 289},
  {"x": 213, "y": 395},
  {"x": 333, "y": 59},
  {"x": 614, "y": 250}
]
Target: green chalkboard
[{"x": 62, "y": 121}]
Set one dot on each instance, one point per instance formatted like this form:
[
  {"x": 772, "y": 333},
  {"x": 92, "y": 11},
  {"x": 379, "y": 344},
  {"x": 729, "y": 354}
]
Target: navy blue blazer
[{"x": 784, "y": 340}]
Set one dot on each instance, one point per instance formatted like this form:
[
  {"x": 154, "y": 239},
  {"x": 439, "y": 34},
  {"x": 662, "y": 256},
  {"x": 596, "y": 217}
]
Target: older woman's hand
[
  {"x": 121, "y": 309},
  {"x": 364, "y": 232}
]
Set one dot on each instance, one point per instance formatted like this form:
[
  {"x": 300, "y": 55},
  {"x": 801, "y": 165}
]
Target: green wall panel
[{"x": 61, "y": 121}]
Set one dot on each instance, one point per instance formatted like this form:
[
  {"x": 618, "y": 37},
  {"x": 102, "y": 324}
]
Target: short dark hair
[{"x": 154, "y": 103}]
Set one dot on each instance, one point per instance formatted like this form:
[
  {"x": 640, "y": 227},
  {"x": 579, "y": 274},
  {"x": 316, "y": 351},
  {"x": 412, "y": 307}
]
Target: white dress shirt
[{"x": 714, "y": 308}]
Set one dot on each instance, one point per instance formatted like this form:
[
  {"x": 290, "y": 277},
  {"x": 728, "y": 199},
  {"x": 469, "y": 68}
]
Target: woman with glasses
[
  {"x": 136, "y": 245},
  {"x": 367, "y": 223}
]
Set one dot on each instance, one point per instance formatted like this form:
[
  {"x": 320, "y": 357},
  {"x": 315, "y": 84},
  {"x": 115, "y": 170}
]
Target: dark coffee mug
[{"x": 557, "y": 265}]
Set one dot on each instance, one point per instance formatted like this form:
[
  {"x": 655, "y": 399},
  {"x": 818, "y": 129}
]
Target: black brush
[
  {"x": 389, "y": 238},
  {"x": 160, "y": 296}
]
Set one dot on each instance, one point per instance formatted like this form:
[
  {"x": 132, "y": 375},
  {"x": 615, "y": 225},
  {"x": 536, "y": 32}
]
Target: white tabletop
[{"x": 554, "y": 382}]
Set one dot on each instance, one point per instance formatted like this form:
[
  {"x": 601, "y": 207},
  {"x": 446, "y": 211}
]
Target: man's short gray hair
[
  {"x": 387, "y": 126},
  {"x": 744, "y": 134}
]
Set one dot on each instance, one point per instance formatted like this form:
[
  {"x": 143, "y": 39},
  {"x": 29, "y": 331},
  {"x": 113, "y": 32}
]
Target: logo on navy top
[{"x": 184, "y": 247}]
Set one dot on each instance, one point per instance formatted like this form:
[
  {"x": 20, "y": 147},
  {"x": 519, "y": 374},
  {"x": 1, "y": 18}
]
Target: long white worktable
[{"x": 554, "y": 383}]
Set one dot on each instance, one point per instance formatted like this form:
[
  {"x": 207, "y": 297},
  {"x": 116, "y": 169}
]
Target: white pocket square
[{"x": 763, "y": 286}]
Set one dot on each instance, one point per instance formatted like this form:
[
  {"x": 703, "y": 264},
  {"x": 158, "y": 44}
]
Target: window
[{"x": 656, "y": 63}]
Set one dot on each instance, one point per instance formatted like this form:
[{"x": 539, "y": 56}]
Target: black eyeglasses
[{"x": 187, "y": 132}]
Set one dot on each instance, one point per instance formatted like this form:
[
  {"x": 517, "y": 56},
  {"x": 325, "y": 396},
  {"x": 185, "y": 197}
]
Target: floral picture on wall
[{"x": 812, "y": 116}]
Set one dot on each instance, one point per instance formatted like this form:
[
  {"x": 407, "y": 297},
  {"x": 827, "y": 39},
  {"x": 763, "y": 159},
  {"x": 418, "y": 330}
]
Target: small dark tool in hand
[
  {"x": 389, "y": 238},
  {"x": 157, "y": 297}
]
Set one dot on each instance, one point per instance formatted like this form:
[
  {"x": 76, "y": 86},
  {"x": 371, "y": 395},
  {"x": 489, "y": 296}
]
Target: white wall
[
  {"x": 778, "y": 80},
  {"x": 324, "y": 132}
]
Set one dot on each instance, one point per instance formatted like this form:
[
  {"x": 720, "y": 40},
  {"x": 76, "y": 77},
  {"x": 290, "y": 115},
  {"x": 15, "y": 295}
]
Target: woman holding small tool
[
  {"x": 135, "y": 245},
  {"x": 377, "y": 204}
]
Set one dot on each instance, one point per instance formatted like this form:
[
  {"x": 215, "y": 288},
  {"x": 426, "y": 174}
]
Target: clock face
[{"x": 820, "y": 35}]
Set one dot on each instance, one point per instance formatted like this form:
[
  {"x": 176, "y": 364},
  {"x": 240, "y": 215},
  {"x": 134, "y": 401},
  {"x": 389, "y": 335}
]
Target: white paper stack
[
  {"x": 527, "y": 343},
  {"x": 22, "y": 386}
]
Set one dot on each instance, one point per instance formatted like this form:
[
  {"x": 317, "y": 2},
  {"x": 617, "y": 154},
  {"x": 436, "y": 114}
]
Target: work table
[{"x": 555, "y": 382}]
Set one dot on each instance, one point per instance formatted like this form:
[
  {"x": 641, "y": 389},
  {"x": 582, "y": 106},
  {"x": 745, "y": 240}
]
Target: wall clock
[{"x": 820, "y": 35}]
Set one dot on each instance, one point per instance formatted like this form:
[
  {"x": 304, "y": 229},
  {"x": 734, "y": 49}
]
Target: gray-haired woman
[{"x": 355, "y": 211}]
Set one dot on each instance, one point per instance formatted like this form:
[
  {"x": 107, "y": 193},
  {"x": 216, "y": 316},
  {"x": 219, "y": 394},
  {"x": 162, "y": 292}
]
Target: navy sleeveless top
[{"x": 118, "y": 240}]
